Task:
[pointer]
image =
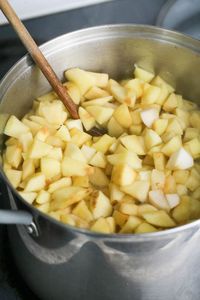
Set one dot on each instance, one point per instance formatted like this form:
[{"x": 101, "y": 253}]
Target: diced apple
[
  {"x": 74, "y": 124},
  {"x": 28, "y": 168},
  {"x": 100, "y": 205},
  {"x": 130, "y": 225},
  {"x": 134, "y": 143},
  {"x": 15, "y": 128},
  {"x": 159, "y": 161},
  {"x": 157, "y": 179},
  {"x": 150, "y": 94},
  {"x": 59, "y": 184},
  {"x": 115, "y": 194},
  {"x": 123, "y": 116},
  {"x": 26, "y": 140},
  {"x": 101, "y": 225},
  {"x": 173, "y": 200},
  {"x": 157, "y": 198},
  {"x": 81, "y": 210},
  {"x": 193, "y": 147},
  {"x": 79, "y": 137},
  {"x": 87, "y": 120},
  {"x": 39, "y": 149},
  {"x": 123, "y": 174},
  {"x": 14, "y": 155},
  {"x": 73, "y": 92},
  {"x": 138, "y": 189},
  {"x": 145, "y": 228},
  {"x": 28, "y": 196},
  {"x": 114, "y": 128},
  {"x": 135, "y": 129},
  {"x": 181, "y": 176},
  {"x": 100, "y": 79},
  {"x": 159, "y": 218},
  {"x": 195, "y": 119},
  {"x": 53, "y": 112},
  {"x": 120, "y": 218},
  {"x": 35, "y": 183},
  {"x": 151, "y": 138},
  {"x": 14, "y": 176},
  {"x": 100, "y": 113},
  {"x": 55, "y": 153},
  {"x": 63, "y": 133},
  {"x": 172, "y": 146},
  {"x": 55, "y": 141},
  {"x": 194, "y": 209},
  {"x": 43, "y": 197},
  {"x": 143, "y": 74},
  {"x": 50, "y": 167},
  {"x": 181, "y": 213},
  {"x": 127, "y": 157},
  {"x": 104, "y": 143},
  {"x": 196, "y": 193},
  {"x": 160, "y": 125},
  {"x": 145, "y": 208},
  {"x": 81, "y": 78},
  {"x": 130, "y": 209},
  {"x": 99, "y": 178},
  {"x": 88, "y": 152},
  {"x": 181, "y": 189},
  {"x": 96, "y": 92},
  {"x": 73, "y": 151},
  {"x": 181, "y": 160},
  {"x": 171, "y": 103},
  {"x": 72, "y": 167},
  {"x": 97, "y": 102},
  {"x": 190, "y": 133},
  {"x": 98, "y": 160},
  {"x": 148, "y": 116},
  {"x": 136, "y": 85}
]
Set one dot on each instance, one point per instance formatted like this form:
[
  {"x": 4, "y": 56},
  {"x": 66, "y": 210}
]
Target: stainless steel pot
[{"x": 61, "y": 262}]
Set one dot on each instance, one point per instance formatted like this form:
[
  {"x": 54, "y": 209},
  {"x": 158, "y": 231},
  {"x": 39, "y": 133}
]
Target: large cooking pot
[{"x": 61, "y": 262}]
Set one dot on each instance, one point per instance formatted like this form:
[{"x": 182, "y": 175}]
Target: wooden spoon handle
[{"x": 38, "y": 57}]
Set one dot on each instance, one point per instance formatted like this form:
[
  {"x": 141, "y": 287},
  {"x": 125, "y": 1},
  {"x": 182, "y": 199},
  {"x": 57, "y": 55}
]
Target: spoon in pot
[{"x": 42, "y": 63}]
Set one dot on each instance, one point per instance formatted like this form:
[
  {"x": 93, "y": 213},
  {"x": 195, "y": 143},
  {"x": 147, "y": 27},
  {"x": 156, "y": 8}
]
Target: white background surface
[{"x": 34, "y": 8}]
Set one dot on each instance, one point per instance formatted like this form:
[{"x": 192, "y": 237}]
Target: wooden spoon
[{"x": 42, "y": 63}]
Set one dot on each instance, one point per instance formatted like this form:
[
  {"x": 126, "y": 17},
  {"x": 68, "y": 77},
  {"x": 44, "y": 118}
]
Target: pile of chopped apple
[{"x": 142, "y": 176}]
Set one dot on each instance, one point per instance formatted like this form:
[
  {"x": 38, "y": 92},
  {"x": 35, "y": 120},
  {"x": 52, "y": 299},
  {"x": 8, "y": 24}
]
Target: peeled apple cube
[
  {"x": 87, "y": 120},
  {"x": 143, "y": 74},
  {"x": 100, "y": 205},
  {"x": 81, "y": 78},
  {"x": 28, "y": 196},
  {"x": 138, "y": 190},
  {"x": 134, "y": 143},
  {"x": 127, "y": 157},
  {"x": 35, "y": 183},
  {"x": 15, "y": 128},
  {"x": 39, "y": 149},
  {"x": 101, "y": 114},
  {"x": 173, "y": 200},
  {"x": 159, "y": 218},
  {"x": 151, "y": 138},
  {"x": 181, "y": 160},
  {"x": 157, "y": 198},
  {"x": 123, "y": 116},
  {"x": 145, "y": 228},
  {"x": 148, "y": 116},
  {"x": 123, "y": 174},
  {"x": 101, "y": 225},
  {"x": 50, "y": 167},
  {"x": 14, "y": 176}
]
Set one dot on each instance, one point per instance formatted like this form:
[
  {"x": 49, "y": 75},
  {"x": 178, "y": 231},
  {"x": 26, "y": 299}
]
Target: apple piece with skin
[
  {"x": 149, "y": 115},
  {"x": 180, "y": 160}
]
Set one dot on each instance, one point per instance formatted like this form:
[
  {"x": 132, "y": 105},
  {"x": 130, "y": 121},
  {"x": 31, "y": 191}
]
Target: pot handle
[
  {"x": 18, "y": 217},
  {"x": 15, "y": 217}
]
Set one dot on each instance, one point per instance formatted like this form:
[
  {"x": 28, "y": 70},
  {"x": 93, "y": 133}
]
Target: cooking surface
[{"x": 12, "y": 286}]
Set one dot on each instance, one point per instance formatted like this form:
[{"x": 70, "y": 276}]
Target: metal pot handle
[
  {"x": 15, "y": 217},
  {"x": 18, "y": 217}
]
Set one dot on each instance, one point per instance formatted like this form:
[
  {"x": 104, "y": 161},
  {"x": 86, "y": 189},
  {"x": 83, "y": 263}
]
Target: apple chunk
[
  {"x": 138, "y": 189},
  {"x": 100, "y": 205},
  {"x": 149, "y": 115},
  {"x": 15, "y": 128},
  {"x": 181, "y": 160}
]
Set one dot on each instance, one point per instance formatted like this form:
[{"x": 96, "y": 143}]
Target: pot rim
[{"x": 140, "y": 30}]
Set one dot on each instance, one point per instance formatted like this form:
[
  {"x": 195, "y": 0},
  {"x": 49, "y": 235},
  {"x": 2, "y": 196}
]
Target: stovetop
[{"x": 12, "y": 286}]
